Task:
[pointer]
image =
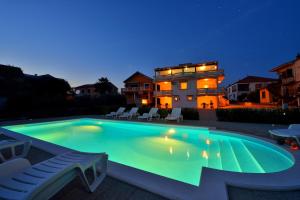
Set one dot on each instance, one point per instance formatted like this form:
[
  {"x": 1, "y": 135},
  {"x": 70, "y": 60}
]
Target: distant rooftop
[
  {"x": 86, "y": 86},
  {"x": 253, "y": 79},
  {"x": 137, "y": 73}
]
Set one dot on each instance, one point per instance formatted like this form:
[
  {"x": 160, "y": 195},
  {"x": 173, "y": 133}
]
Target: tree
[
  {"x": 253, "y": 96},
  {"x": 104, "y": 86}
]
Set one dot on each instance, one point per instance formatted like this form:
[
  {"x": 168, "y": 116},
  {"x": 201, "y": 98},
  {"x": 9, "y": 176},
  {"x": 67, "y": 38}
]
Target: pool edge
[{"x": 212, "y": 180}]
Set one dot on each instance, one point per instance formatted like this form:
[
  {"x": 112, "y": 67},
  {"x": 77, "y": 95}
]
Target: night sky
[{"x": 81, "y": 41}]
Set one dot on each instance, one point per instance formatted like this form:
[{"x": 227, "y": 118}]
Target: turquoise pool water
[{"x": 176, "y": 152}]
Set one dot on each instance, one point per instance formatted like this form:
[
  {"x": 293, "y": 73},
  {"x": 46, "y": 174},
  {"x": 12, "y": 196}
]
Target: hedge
[{"x": 272, "y": 116}]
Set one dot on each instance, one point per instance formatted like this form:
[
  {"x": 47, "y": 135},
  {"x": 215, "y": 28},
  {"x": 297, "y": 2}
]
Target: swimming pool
[{"x": 176, "y": 152}]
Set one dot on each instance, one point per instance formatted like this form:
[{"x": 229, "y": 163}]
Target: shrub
[
  {"x": 274, "y": 116},
  {"x": 163, "y": 112},
  {"x": 144, "y": 110},
  {"x": 190, "y": 113}
]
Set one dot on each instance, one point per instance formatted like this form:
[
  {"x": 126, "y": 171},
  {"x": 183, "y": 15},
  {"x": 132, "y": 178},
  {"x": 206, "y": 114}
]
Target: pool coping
[{"x": 213, "y": 182}]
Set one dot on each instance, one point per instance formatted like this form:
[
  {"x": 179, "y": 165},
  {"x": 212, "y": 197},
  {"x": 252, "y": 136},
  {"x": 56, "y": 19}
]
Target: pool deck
[{"x": 113, "y": 189}]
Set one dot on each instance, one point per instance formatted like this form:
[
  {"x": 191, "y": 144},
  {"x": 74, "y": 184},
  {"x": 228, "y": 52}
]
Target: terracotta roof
[
  {"x": 253, "y": 79},
  {"x": 287, "y": 64},
  {"x": 186, "y": 65},
  {"x": 138, "y": 73}
]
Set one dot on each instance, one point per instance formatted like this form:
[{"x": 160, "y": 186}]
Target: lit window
[
  {"x": 201, "y": 68},
  {"x": 144, "y": 101},
  {"x": 176, "y": 71},
  {"x": 189, "y": 69},
  {"x": 206, "y": 68},
  {"x": 176, "y": 98},
  {"x": 189, "y": 98},
  {"x": 183, "y": 85},
  {"x": 207, "y": 83}
]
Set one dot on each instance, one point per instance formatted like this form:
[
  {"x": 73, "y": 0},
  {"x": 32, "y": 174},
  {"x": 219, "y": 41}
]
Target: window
[
  {"x": 183, "y": 85},
  {"x": 258, "y": 86},
  {"x": 207, "y": 83},
  {"x": 204, "y": 68},
  {"x": 88, "y": 91},
  {"x": 289, "y": 73},
  {"x": 234, "y": 88},
  {"x": 146, "y": 85},
  {"x": 189, "y": 97},
  {"x": 176, "y": 71},
  {"x": 243, "y": 87},
  {"x": 164, "y": 72},
  {"x": 176, "y": 98},
  {"x": 144, "y": 101},
  {"x": 164, "y": 86},
  {"x": 189, "y": 69},
  {"x": 263, "y": 95}
]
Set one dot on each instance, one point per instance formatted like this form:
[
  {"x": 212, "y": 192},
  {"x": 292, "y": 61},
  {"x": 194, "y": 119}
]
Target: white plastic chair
[
  {"x": 293, "y": 131},
  {"x": 175, "y": 115},
  {"x": 152, "y": 114},
  {"x": 119, "y": 112},
  {"x": 129, "y": 115}
]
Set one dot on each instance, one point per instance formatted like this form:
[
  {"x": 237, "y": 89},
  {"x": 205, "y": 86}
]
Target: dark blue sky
[{"x": 83, "y": 40}]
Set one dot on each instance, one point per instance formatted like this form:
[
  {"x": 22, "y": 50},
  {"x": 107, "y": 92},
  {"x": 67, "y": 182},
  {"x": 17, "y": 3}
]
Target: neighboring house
[
  {"x": 86, "y": 90},
  {"x": 90, "y": 90},
  {"x": 189, "y": 86},
  {"x": 270, "y": 94},
  {"x": 289, "y": 75},
  {"x": 138, "y": 89},
  {"x": 247, "y": 85}
]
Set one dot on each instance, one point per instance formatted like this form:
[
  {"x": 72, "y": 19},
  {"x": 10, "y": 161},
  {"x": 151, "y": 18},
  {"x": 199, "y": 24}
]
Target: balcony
[
  {"x": 135, "y": 89},
  {"x": 206, "y": 74},
  {"x": 210, "y": 91},
  {"x": 287, "y": 80},
  {"x": 163, "y": 93}
]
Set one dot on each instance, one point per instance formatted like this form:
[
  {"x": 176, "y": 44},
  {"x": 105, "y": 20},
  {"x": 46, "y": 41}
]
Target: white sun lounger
[
  {"x": 129, "y": 115},
  {"x": 293, "y": 131},
  {"x": 14, "y": 149},
  {"x": 175, "y": 115},
  {"x": 20, "y": 180},
  {"x": 119, "y": 112},
  {"x": 152, "y": 114}
]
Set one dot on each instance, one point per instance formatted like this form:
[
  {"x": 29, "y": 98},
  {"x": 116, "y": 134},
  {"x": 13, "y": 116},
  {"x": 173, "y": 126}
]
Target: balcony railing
[
  {"x": 163, "y": 93},
  {"x": 287, "y": 80},
  {"x": 135, "y": 89},
  {"x": 206, "y": 74},
  {"x": 206, "y": 91}
]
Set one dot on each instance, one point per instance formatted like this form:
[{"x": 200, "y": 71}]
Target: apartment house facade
[
  {"x": 138, "y": 89},
  {"x": 189, "y": 86},
  {"x": 247, "y": 85},
  {"x": 289, "y": 75}
]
